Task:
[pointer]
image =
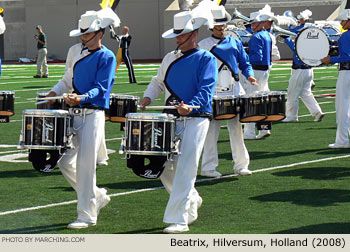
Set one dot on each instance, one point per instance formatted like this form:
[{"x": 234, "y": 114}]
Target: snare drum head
[
  {"x": 5, "y": 92},
  {"x": 42, "y": 93},
  {"x": 311, "y": 45},
  {"x": 149, "y": 116},
  {"x": 123, "y": 96},
  {"x": 45, "y": 112}
]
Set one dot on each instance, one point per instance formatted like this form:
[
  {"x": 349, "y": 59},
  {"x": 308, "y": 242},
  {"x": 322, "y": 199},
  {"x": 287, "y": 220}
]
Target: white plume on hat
[
  {"x": 265, "y": 14},
  {"x": 284, "y": 20},
  {"x": 204, "y": 9},
  {"x": 92, "y": 21},
  {"x": 305, "y": 14}
]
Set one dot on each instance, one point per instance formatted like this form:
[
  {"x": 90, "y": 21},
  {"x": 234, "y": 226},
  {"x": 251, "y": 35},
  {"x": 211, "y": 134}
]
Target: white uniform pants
[
  {"x": 179, "y": 176},
  {"x": 263, "y": 85},
  {"x": 240, "y": 154},
  {"x": 342, "y": 103},
  {"x": 41, "y": 61},
  {"x": 300, "y": 86},
  {"x": 78, "y": 165}
]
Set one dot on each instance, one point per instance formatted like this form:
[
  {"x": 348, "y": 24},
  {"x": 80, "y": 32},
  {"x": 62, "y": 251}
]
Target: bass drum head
[{"x": 311, "y": 45}]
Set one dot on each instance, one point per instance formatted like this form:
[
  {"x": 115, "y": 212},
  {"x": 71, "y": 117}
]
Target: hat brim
[
  {"x": 189, "y": 27},
  {"x": 77, "y": 32}
]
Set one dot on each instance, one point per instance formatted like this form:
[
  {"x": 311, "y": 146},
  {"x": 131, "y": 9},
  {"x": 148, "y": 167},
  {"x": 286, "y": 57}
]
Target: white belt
[{"x": 81, "y": 111}]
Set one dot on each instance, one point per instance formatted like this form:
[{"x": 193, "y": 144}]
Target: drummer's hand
[
  {"x": 72, "y": 100},
  {"x": 183, "y": 109},
  {"x": 144, "y": 102},
  {"x": 252, "y": 80},
  {"x": 51, "y": 94},
  {"x": 326, "y": 60}
]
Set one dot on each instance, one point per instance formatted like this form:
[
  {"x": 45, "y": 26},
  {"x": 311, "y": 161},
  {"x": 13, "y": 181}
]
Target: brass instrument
[{"x": 282, "y": 33}]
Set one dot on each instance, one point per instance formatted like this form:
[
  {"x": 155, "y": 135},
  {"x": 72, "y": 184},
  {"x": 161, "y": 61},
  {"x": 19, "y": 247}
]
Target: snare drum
[
  {"x": 7, "y": 103},
  {"x": 276, "y": 106},
  {"x": 120, "y": 105},
  {"x": 150, "y": 134},
  {"x": 46, "y": 129},
  {"x": 313, "y": 43},
  {"x": 57, "y": 104},
  {"x": 225, "y": 107},
  {"x": 253, "y": 107}
]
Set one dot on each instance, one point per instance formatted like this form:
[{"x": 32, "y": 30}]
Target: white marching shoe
[
  {"x": 263, "y": 134},
  {"x": 211, "y": 173},
  {"x": 176, "y": 228},
  {"x": 78, "y": 224},
  {"x": 290, "y": 120},
  {"x": 319, "y": 116},
  {"x": 193, "y": 211},
  {"x": 243, "y": 172},
  {"x": 339, "y": 146}
]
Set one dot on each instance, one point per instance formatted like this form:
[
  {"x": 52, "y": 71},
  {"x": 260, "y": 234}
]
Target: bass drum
[{"x": 314, "y": 43}]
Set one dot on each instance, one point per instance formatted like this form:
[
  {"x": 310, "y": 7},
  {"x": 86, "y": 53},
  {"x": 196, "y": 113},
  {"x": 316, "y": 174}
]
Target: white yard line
[{"x": 21, "y": 210}]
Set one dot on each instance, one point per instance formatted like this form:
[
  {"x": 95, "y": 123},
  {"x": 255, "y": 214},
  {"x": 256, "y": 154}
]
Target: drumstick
[
  {"x": 57, "y": 97},
  {"x": 167, "y": 107}
]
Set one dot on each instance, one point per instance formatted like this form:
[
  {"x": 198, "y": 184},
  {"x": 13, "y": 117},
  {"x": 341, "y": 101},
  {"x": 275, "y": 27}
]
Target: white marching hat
[
  {"x": 184, "y": 22},
  {"x": 257, "y": 16},
  {"x": 344, "y": 14},
  {"x": 305, "y": 15},
  {"x": 221, "y": 16},
  {"x": 92, "y": 21},
  {"x": 268, "y": 14}
]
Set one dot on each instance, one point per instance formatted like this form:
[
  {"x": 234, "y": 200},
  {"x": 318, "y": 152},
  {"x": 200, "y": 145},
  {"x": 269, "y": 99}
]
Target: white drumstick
[
  {"x": 167, "y": 107},
  {"x": 57, "y": 97}
]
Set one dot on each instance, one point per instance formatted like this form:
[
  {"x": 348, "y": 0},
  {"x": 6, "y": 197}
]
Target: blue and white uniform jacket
[
  {"x": 296, "y": 61},
  {"x": 92, "y": 74},
  {"x": 260, "y": 45},
  {"x": 344, "y": 49},
  {"x": 189, "y": 76},
  {"x": 230, "y": 52}
]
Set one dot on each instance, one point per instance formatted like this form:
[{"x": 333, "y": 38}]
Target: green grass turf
[{"x": 304, "y": 198}]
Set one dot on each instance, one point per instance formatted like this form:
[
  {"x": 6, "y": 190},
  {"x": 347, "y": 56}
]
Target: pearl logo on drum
[
  {"x": 157, "y": 133},
  {"x": 312, "y": 35},
  {"x": 47, "y": 129}
]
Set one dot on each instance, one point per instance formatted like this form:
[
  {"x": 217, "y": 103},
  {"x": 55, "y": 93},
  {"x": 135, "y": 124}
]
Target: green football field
[{"x": 299, "y": 185}]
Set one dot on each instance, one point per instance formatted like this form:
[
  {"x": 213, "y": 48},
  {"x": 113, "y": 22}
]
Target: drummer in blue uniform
[
  {"x": 187, "y": 76},
  {"x": 231, "y": 57},
  {"x": 260, "y": 49},
  {"x": 342, "y": 102}
]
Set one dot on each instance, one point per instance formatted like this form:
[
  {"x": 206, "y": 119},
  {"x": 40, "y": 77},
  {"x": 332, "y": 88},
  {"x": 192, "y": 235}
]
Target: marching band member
[
  {"x": 230, "y": 56},
  {"x": 2, "y": 28},
  {"x": 76, "y": 52},
  {"x": 187, "y": 76},
  {"x": 301, "y": 80},
  {"x": 300, "y": 86},
  {"x": 342, "y": 101},
  {"x": 260, "y": 46},
  {"x": 92, "y": 75}
]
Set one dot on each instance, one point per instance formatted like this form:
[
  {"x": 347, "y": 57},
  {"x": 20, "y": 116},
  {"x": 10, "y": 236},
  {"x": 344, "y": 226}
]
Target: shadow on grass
[
  {"x": 311, "y": 197},
  {"x": 325, "y": 228},
  {"x": 26, "y": 174},
  {"x": 321, "y": 173},
  {"x": 35, "y": 230},
  {"x": 143, "y": 231}
]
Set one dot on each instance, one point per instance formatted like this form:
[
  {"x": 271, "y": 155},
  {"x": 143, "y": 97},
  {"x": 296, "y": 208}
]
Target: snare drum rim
[
  {"x": 149, "y": 117},
  {"x": 124, "y": 96},
  {"x": 7, "y": 92},
  {"x": 299, "y": 34},
  {"x": 46, "y": 113}
]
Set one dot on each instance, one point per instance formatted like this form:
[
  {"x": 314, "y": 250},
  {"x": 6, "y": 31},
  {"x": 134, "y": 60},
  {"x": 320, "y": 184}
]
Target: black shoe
[
  {"x": 45, "y": 76},
  {"x": 37, "y": 76}
]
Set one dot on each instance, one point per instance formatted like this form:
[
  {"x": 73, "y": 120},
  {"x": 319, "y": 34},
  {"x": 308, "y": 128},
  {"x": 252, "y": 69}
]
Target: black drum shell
[
  {"x": 7, "y": 103},
  {"x": 276, "y": 107},
  {"x": 225, "y": 108},
  {"x": 120, "y": 106},
  {"x": 252, "y": 108}
]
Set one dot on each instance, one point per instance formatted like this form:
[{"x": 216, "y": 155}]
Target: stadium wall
[{"x": 147, "y": 20}]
